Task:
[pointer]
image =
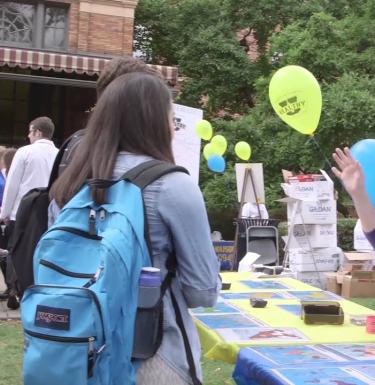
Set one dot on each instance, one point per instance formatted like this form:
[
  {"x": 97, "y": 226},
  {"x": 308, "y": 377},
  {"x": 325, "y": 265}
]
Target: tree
[{"x": 335, "y": 40}]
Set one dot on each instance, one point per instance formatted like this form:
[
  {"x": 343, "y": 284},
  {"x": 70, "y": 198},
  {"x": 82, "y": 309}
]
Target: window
[{"x": 35, "y": 24}]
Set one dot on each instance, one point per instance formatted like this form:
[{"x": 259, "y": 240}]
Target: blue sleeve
[
  {"x": 182, "y": 208},
  {"x": 2, "y": 187},
  {"x": 371, "y": 238}
]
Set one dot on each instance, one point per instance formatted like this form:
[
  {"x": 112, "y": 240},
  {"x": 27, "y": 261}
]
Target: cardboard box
[
  {"x": 361, "y": 284},
  {"x": 311, "y": 191},
  {"x": 313, "y": 278},
  {"x": 351, "y": 261},
  {"x": 360, "y": 241},
  {"x": 326, "y": 259},
  {"x": 311, "y": 212},
  {"x": 333, "y": 284},
  {"x": 307, "y": 236}
]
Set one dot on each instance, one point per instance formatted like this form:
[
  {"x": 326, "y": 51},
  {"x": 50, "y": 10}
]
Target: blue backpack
[{"x": 79, "y": 316}]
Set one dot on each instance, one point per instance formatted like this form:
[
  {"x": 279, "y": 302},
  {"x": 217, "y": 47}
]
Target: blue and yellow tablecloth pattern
[{"x": 233, "y": 324}]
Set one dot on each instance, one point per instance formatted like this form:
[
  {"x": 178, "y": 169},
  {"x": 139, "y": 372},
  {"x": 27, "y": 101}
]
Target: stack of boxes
[{"x": 312, "y": 228}]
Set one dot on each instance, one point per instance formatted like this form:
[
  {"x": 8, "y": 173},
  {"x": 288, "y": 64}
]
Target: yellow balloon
[
  {"x": 243, "y": 150},
  {"x": 219, "y": 144},
  {"x": 208, "y": 151},
  {"x": 204, "y": 129},
  {"x": 296, "y": 97}
]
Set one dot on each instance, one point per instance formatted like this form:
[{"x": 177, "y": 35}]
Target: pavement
[{"x": 5, "y": 313}]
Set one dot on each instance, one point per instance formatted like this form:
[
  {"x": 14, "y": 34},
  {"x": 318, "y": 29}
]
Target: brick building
[{"x": 51, "y": 53}]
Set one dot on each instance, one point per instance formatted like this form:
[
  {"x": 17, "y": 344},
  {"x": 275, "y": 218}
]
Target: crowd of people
[{"x": 132, "y": 123}]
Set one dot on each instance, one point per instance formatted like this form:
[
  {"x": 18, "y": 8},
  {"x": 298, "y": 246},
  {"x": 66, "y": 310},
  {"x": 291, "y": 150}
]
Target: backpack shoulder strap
[
  {"x": 142, "y": 176},
  {"x": 59, "y": 157},
  {"x": 148, "y": 172}
]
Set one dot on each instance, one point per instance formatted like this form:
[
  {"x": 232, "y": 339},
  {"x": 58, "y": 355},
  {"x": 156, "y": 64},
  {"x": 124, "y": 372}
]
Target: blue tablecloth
[{"x": 331, "y": 364}]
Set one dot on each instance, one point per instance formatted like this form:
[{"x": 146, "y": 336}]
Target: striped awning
[{"x": 79, "y": 64}]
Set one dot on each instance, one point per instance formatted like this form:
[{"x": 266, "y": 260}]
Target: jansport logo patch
[
  {"x": 291, "y": 106},
  {"x": 52, "y": 317}
]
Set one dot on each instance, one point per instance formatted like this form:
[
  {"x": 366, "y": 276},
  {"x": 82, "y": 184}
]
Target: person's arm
[
  {"x": 12, "y": 184},
  {"x": 352, "y": 177},
  {"x": 182, "y": 208}
]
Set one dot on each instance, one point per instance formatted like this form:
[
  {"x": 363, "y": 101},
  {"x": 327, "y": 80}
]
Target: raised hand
[{"x": 350, "y": 172}]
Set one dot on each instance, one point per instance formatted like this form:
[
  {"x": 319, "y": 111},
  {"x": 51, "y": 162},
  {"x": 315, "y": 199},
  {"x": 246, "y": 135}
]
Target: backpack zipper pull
[
  {"x": 95, "y": 277},
  {"x": 102, "y": 214},
  {"x": 92, "y": 220},
  {"x": 91, "y": 357}
]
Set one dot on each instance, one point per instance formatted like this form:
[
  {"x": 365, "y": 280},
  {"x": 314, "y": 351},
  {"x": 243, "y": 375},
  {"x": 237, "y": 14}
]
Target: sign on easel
[{"x": 250, "y": 193}]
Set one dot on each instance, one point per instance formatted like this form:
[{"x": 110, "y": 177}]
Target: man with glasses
[{"x": 31, "y": 168}]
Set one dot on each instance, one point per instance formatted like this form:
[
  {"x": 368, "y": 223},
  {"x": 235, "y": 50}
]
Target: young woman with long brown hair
[{"x": 131, "y": 124}]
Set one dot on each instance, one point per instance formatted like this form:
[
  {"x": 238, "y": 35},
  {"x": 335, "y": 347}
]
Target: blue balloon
[
  {"x": 216, "y": 163},
  {"x": 364, "y": 152}
]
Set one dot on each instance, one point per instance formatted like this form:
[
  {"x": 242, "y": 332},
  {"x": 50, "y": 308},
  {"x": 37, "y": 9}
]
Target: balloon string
[{"x": 321, "y": 151}]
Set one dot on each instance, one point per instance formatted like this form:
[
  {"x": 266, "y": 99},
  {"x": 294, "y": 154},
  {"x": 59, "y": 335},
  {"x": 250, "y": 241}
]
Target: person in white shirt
[
  {"x": 31, "y": 168},
  {"x": 250, "y": 210}
]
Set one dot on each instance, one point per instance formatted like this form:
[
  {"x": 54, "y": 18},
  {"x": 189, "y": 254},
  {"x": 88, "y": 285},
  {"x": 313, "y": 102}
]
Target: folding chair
[{"x": 263, "y": 240}]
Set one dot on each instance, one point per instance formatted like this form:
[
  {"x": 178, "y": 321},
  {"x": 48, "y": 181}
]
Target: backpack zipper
[
  {"x": 90, "y": 292},
  {"x": 65, "y": 272},
  {"x": 91, "y": 355},
  {"x": 74, "y": 340},
  {"x": 78, "y": 232}
]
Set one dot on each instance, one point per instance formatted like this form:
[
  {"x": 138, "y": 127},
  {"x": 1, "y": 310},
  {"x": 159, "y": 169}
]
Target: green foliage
[
  {"x": 335, "y": 40},
  {"x": 345, "y": 233}
]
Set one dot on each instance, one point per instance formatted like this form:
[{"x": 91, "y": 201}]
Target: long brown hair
[{"x": 131, "y": 115}]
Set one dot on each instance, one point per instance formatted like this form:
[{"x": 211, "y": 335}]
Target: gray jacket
[{"x": 177, "y": 219}]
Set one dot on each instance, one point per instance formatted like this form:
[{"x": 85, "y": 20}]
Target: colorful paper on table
[
  {"x": 220, "y": 307},
  {"x": 368, "y": 371},
  {"x": 279, "y": 318},
  {"x": 321, "y": 376},
  {"x": 263, "y": 295},
  {"x": 361, "y": 352},
  {"x": 219, "y": 321},
  {"x": 294, "y": 355},
  {"x": 261, "y": 334},
  {"x": 299, "y": 365},
  {"x": 264, "y": 284},
  {"x": 315, "y": 295}
]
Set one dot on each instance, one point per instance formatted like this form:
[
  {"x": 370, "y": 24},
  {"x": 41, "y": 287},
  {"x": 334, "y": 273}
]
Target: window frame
[{"x": 39, "y": 27}]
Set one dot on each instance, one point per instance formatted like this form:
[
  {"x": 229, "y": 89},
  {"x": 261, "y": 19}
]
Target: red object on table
[{"x": 370, "y": 324}]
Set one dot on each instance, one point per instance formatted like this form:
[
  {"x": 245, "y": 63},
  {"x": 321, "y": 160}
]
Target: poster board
[
  {"x": 186, "y": 143},
  {"x": 257, "y": 174}
]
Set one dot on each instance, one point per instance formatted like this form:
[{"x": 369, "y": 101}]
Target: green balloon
[
  {"x": 296, "y": 97},
  {"x": 204, "y": 129},
  {"x": 208, "y": 151},
  {"x": 219, "y": 144},
  {"x": 243, "y": 150}
]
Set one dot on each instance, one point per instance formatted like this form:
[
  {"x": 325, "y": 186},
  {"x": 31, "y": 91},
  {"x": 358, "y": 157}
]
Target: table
[
  {"x": 331, "y": 364},
  {"x": 233, "y": 324}
]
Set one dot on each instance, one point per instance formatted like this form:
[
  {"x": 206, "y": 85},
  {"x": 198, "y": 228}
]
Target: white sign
[
  {"x": 186, "y": 143},
  {"x": 257, "y": 179}
]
